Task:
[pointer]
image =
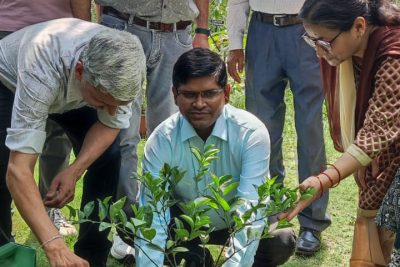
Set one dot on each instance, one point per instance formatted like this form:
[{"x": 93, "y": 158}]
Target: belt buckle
[{"x": 275, "y": 20}]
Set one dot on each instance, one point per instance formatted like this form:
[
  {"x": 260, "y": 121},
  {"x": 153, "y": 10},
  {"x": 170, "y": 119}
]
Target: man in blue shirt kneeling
[{"x": 201, "y": 93}]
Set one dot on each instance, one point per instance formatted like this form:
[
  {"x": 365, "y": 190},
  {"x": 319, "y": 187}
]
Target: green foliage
[
  {"x": 218, "y": 40},
  {"x": 194, "y": 223}
]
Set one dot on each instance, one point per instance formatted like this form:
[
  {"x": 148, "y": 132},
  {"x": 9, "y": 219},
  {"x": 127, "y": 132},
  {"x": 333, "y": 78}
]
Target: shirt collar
[{"x": 220, "y": 128}]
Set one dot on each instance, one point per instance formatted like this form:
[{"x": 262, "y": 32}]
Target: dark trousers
[
  {"x": 99, "y": 181},
  {"x": 271, "y": 251},
  {"x": 6, "y": 100},
  {"x": 269, "y": 67},
  {"x": 6, "y": 103}
]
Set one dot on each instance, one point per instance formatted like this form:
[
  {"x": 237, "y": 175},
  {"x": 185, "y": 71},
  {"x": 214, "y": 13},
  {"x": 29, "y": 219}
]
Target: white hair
[{"x": 114, "y": 62}]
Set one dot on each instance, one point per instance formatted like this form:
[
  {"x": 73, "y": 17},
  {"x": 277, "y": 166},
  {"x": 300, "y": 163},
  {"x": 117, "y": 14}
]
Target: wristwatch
[{"x": 203, "y": 31}]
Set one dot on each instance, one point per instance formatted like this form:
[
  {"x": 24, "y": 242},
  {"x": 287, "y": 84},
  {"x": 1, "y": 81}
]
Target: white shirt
[
  {"x": 37, "y": 63},
  {"x": 238, "y": 12}
]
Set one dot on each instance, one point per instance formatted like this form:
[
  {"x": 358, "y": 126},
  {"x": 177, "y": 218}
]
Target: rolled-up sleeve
[
  {"x": 33, "y": 96},
  {"x": 237, "y": 13},
  {"x": 118, "y": 121}
]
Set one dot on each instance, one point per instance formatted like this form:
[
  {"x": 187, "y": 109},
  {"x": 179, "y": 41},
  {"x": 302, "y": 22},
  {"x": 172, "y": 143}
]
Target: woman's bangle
[
  {"x": 338, "y": 172},
  {"x": 330, "y": 178},
  {"x": 321, "y": 187},
  {"x": 51, "y": 239}
]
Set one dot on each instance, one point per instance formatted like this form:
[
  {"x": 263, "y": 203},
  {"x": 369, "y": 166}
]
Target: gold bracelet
[{"x": 51, "y": 239}]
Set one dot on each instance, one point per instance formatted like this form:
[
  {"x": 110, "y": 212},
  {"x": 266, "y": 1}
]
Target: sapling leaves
[
  {"x": 182, "y": 234},
  {"x": 155, "y": 247},
  {"x": 72, "y": 211},
  {"x": 137, "y": 223},
  {"x": 148, "y": 233},
  {"x": 122, "y": 217},
  {"x": 188, "y": 219},
  {"x": 104, "y": 226},
  {"x": 201, "y": 201},
  {"x": 308, "y": 193},
  {"x": 284, "y": 223},
  {"x": 116, "y": 207},
  {"x": 229, "y": 188},
  {"x": 179, "y": 249},
  {"x": 102, "y": 210},
  {"x": 220, "y": 200},
  {"x": 236, "y": 212},
  {"x": 196, "y": 153}
]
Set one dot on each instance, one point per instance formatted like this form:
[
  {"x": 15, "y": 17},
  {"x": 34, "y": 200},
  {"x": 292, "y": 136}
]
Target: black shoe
[{"x": 308, "y": 242}]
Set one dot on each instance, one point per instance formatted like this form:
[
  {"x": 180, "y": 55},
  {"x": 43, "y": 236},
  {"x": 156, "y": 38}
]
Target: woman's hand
[{"x": 310, "y": 182}]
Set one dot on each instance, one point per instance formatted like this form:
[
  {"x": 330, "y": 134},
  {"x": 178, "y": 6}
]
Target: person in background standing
[
  {"x": 165, "y": 30},
  {"x": 275, "y": 55}
]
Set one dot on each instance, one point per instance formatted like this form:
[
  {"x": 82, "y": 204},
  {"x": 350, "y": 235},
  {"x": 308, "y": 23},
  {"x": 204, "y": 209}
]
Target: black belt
[
  {"x": 158, "y": 26},
  {"x": 278, "y": 20}
]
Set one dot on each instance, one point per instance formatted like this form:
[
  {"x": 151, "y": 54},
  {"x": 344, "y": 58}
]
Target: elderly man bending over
[
  {"x": 201, "y": 94},
  {"x": 82, "y": 76}
]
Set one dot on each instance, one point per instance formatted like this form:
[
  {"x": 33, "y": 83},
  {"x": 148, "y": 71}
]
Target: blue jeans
[
  {"x": 162, "y": 49},
  {"x": 274, "y": 57}
]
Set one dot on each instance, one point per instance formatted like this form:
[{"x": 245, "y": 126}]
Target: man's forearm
[
  {"x": 97, "y": 140},
  {"x": 81, "y": 9},
  {"x": 25, "y": 193},
  {"x": 202, "y": 18}
]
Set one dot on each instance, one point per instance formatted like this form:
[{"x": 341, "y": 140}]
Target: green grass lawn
[{"x": 336, "y": 239}]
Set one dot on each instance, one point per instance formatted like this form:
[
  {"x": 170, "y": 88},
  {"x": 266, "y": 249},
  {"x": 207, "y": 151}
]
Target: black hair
[
  {"x": 196, "y": 63},
  {"x": 340, "y": 14}
]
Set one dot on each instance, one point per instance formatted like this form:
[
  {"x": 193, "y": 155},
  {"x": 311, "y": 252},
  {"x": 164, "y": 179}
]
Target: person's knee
[{"x": 276, "y": 250}]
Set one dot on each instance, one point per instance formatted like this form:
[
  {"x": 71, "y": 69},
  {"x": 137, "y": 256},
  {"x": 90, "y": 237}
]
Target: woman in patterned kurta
[{"x": 358, "y": 42}]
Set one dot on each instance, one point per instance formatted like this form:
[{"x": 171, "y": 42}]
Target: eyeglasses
[
  {"x": 326, "y": 45},
  {"x": 206, "y": 95}
]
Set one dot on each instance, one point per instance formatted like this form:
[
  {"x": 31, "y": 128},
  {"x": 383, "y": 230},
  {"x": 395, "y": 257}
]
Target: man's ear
[
  {"x": 175, "y": 92},
  {"x": 79, "y": 71},
  {"x": 227, "y": 92}
]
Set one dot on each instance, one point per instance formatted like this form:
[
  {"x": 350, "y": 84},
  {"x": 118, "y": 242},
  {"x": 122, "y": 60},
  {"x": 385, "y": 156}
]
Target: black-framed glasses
[
  {"x": 326, "y": 45},
  {"x": 206, "y": 95}
]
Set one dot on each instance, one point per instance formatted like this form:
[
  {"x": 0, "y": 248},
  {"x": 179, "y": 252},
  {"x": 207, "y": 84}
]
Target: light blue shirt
[{"x": 244, "y": 146}]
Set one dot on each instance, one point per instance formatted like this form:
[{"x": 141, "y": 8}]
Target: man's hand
[
  {"x": 200, "y": 40},
  {"x": 310, "y": 182},
  {"x": 235, "y": 63},
  {"x": 60, "y": 255},
  {"x": 97, "y": 140},
  {"x": 62, "y": 189}
]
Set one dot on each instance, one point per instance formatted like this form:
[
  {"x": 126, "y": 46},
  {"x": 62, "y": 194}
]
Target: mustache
[{"x": 196, "y": 112}]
